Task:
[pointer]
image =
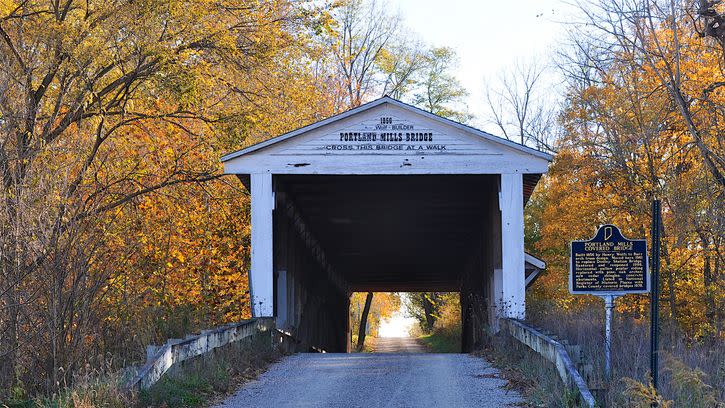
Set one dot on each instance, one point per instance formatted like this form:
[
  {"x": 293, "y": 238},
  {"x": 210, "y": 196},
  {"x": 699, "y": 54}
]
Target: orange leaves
[{"x": 625, "y": 143}]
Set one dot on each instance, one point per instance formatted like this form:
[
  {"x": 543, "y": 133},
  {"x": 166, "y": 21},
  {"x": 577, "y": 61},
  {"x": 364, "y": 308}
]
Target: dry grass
[
  {"x": 196, "y": 384},
  {"x": 527, "y": 373},
  {"x": 692, "y": 372}
]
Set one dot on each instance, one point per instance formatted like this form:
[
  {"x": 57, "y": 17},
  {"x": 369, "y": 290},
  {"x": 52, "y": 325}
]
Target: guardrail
[
  {"x": 554, "y": 352},
  {"x": 160, "y": 360}
]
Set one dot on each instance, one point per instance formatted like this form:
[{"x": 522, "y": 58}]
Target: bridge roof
[{"x": 394, "y": 136}]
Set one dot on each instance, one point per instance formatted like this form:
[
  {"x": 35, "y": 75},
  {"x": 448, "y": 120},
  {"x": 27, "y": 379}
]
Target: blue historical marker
[{"x": 608, "y": 265}]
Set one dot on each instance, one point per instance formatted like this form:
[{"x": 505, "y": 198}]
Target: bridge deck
[{"x": 377, "y": 380}]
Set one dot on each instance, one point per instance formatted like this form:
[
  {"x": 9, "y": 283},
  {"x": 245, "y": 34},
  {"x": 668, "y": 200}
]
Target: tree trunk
[
  {"x": 718, "y": 311},
  {"x": 670, "y": 277},
  {"x": 10, "y": 272},
  {"x": 364, "y": 322},
  {"x": 430, "y": 308},
  {"x": 710, "y": 310}
]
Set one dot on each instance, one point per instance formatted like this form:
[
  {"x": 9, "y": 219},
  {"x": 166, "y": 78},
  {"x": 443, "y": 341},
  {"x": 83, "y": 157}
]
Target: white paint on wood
[
  {"x": 511, "y": 203},
  {"x": 261, "y": 274},
  {"x": 388, "y": 135},
  {"x": 539, "y": 263},
  {"x": 388, "y": 139},
  {"x": 386, "y": 100}
]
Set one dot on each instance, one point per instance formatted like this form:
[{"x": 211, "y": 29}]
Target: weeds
[
  {"x": 692, "y": 372},
  {"x": 528, "y": 372},
  {"x": 440, "y": 342},
  {"x": 637, "y": 395},
  {"x": 192, "y": 385}
]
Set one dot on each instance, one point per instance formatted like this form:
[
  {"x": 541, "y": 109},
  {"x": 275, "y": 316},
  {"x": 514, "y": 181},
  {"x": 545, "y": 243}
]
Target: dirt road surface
[
  {"x": 377, "y": 380},
  {"x": 398, "y": 345}
]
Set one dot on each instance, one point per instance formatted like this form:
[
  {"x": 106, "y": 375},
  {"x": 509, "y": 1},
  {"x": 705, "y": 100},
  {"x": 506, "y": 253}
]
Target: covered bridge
[{"x": 386, "y": 197}]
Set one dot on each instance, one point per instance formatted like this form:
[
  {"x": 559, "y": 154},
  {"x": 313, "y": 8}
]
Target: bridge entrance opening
[
  {"x": 386, "y": 198},
  {"x": 396, "y": 233},
  {"x": 377, "y": 233},
  {"x": 405, "y": 322}
]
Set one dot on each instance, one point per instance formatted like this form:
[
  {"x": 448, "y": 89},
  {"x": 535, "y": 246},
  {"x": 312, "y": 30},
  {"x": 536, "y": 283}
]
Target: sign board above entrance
[
  {"x": 387, "y": 135},
  {"x": 609, "y": 263}
]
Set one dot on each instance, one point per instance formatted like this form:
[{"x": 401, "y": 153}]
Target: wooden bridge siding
[
  {"x": 311, "y": 295},
  {"x": 478, "y": 310},
  {"x": 308, "y": 304}
]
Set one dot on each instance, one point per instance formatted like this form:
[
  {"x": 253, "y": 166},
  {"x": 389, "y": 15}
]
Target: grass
[
  {"x": 202, "y": 382},
  {"x": 528, "y": 373},
  {"x": 692, "y": 371},
  {"x": 368, "y": 347},
  {"x": 187, "y": 391},
  {"x": 196, "y": 384},
  {"x": 89, "y": 391},
  {"x": 438, "y": 342}
]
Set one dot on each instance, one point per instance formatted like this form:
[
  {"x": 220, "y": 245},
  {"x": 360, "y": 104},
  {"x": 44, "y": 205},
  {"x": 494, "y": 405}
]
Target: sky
[
  {"x": 398, "y": 325},
  {"x": 489, "y": 36}
]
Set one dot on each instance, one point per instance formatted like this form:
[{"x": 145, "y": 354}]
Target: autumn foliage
[
  {"x": 117, "y": 229},
  {"x": 626, "y": 142}
]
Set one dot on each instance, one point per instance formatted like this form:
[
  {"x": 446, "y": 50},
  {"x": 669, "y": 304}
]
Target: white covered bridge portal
[{"x": 386, "y": 197}]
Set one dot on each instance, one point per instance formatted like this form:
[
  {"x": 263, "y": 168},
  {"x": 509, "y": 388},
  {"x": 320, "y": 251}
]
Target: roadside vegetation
[
  {"x": 692, "y": 372},
  {"x": 381, "y": 306},
  {"x": 200, "y": 384},
  {"x": 643, "y": 119},
  {"x": 439, "y": 320},
  {"x": 117, "y": 229},
  {"x": 197, "y": 383},
  {"x": 527, "y": 372}
]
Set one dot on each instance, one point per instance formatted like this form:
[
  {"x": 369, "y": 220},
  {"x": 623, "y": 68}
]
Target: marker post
[
  {"x": 608, "y": 306},
  {"x": 655, "y": 293}
]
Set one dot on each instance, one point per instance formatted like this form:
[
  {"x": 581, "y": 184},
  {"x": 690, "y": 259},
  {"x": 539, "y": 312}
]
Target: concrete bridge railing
[
  {"x": 160, "y": 360},
  {"x": 554, "y": 352}
]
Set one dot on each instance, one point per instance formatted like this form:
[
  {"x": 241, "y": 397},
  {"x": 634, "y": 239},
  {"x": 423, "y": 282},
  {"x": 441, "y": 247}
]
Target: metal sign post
[
  {"x": 608, "y": 306},
  {"x": 655, "y": 299}
]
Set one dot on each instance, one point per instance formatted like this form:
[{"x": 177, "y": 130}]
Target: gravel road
[
  {"x": 398, "y": 345},
  {"x": 376, "y": 380}
]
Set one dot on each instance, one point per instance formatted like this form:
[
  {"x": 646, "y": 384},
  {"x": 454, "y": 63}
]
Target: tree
[
  {"x": 627, "y": 140},
  {"x": 425, "y": 308},
  {"x": 401, "y": 64},
  {"x": 656, "y": 36},
  {"x": 362, "y": 32},
  {"x": 382, "y": 306},
  {"x": 362, "y": 329},
  {"x": 103, "y": 106},
  {"x": 519, "y": 109},
  {"x": 438, "y": 91}
]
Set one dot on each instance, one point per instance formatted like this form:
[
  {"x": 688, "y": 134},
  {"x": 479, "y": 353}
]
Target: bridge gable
[{"x": 386, "y": 136}]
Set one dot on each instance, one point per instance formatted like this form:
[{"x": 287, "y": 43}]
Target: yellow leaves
[
  {"x": 7, "y": 7},
  {"x": 624, "y": 144},
  {"x": 383, "y": 306}
]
